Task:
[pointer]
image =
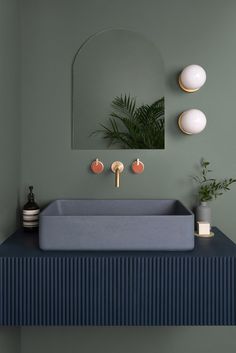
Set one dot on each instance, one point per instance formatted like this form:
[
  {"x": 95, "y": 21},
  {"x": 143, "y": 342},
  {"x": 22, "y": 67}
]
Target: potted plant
[{"x": 208, "y": 190}]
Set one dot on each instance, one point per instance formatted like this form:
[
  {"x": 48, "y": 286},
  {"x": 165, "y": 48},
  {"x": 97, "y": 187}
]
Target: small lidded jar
[{"x": 30, "y": 213}]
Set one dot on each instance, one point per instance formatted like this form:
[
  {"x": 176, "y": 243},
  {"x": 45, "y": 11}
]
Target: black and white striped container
[
  {"x": 30, "y": 213},
  {"x": 30, "y": 218}
]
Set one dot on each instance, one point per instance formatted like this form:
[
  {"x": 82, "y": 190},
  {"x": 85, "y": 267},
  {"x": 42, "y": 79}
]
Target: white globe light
[
  {"x": 192, "y": 78},
  {"x": 192, "y": 121}
]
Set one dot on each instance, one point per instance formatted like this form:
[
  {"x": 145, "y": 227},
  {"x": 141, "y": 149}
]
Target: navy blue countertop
[{"x": 22, "y": 244}]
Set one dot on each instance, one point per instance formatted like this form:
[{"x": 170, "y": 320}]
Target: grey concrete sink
[{"x": 116, "y": 225}]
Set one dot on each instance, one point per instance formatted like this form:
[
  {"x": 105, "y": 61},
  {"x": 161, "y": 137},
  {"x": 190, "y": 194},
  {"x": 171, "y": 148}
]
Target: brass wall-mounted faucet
[{"x": 117, "y": 167}]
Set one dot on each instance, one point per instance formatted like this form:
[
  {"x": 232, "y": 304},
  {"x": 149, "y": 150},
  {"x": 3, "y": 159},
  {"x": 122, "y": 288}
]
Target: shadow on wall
[
  {"x": 172, "y": 121},
  {"x": 128, "y": 340}
]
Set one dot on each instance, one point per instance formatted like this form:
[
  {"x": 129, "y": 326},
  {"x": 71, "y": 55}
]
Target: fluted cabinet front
[{"x": 117, "y": 290}]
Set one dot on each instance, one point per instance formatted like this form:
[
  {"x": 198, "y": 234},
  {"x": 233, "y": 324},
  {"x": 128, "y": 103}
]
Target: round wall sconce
[
  {"x": 192, "y": 121},
  {"x": 192, "y": 78}
]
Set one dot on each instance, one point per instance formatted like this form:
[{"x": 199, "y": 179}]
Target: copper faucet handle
[
  {"x": 97, "y": 166},
  {"x": 137, "y": 166}
]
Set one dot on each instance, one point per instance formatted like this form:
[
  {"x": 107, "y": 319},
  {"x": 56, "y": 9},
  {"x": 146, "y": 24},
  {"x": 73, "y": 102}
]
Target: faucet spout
[
  {"x": 117, "y": 167},
  {"x": 117, "y": 181}
]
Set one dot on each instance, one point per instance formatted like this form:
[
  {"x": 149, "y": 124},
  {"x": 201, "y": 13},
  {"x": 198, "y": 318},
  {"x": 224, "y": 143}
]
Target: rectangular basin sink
[{"x": 116, "y": 225}]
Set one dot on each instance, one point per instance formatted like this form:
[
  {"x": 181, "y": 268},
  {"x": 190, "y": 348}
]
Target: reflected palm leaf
[{"x": 135, "y": 128}]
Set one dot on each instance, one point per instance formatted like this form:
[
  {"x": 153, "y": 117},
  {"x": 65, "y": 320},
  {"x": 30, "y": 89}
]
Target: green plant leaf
[
  {"x": 135, "y": 128},
  {"x": 210, "y": 188}
]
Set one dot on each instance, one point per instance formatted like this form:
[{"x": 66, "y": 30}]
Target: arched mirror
[{"x": 118, "y": 93}]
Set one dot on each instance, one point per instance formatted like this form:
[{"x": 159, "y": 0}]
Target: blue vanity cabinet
[{"x": 117, "y": 288}]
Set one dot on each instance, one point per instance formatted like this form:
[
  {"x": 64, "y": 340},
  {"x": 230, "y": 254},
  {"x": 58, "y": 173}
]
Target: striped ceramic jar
[{"x": 30, "y": 218}]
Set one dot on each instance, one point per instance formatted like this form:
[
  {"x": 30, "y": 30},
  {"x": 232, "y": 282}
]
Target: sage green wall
[
  {"x": 9, "y": 115},
  {"x": 9, "y": 138},
  {"x": 10, "y": 340},
  {"x": 128, "y": 340},
  {"x": 186, "y": 31}
]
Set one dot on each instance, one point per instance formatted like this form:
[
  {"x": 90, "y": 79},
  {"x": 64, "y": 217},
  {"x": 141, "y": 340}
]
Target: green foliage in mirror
[{"x": 135, "y": 127}]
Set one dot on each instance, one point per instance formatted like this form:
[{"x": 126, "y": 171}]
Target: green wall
[
  {"x": 9, "y": 138},
  {"x": 186, "y": 31},
  {"x": 9, "y": 115},
  {"x": 128, "y": 340},
  {"x": 10, "y": 340}
]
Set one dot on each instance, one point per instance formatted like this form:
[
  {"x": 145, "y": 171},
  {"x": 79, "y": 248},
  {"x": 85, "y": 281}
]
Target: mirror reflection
[{"x": 118, "y": 93}]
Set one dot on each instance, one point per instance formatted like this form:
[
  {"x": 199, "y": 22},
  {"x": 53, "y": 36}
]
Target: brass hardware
[
  {"x": 204, "y": 235},
  {"x": 187, "y": 89},
  {"x": 117, "y": 167},
  {"x": 180, "y": 126},
  {"x": 117, "y": 182}
]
